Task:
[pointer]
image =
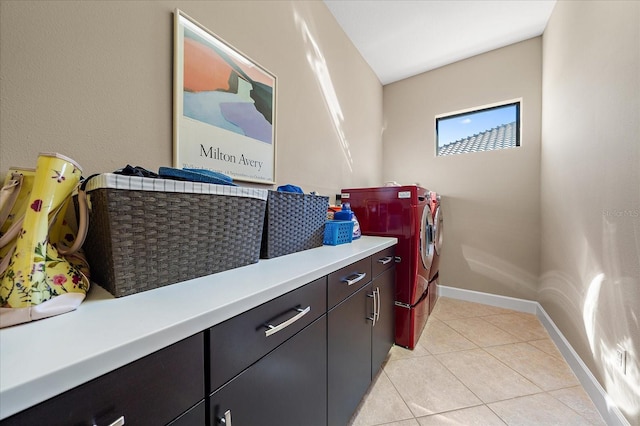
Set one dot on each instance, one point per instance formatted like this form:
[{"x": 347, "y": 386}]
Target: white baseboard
[
  {"x": 607, "y": 409},
  {"x": 520, "y": 305}
]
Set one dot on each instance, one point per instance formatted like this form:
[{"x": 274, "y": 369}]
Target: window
[{"x": 480, "y": 129}]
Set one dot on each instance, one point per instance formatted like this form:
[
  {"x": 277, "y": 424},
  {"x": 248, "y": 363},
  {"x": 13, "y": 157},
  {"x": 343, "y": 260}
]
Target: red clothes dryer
[{"x": 403, "y": 212}]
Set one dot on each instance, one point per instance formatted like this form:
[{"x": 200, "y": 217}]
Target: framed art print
[{"x": 224, "y": 107}]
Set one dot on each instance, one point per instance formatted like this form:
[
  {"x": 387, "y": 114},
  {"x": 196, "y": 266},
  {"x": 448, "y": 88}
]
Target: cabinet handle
[
  {"x": 356, "y": 277},
  {"x": 385, "y": 260},
  {"x": 373, "y": 318},
  {"x": 273, "y": 329},
  {"x": 378, "y": 305},
  {"x": 118, "y": 422},
  {"x": 227, "y": 418}
]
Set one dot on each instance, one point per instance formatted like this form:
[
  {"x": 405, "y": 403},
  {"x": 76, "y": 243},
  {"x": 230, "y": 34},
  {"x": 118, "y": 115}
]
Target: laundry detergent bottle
[{"x": 347, "y": 214}]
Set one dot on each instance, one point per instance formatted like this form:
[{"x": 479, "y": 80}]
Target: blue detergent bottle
[{"x": 347, "y": 214}]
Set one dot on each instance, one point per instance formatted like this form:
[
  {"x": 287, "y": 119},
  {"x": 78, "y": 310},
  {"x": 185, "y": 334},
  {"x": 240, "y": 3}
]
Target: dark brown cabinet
[
  {"x": 360, "y": 332},
  {"x": 383, "y": 333},
  {"x": 275, "y": 358},
  {"x": 286, "y": 387},
  {"x": 349, "y": 354},
  {"x": 242, "y": 340},
  {"x": 384, "y": 284},
  {"x": 153, "y": 390},
  {"x": 304, "y": 358}
]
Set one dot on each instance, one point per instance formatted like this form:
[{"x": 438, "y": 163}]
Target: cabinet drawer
[
  {"x": 383, "y": 260},
  {"x": 239, "y": 342},
  {"x": 346, "y": 281},
  {"x": 151, "y": 391}
]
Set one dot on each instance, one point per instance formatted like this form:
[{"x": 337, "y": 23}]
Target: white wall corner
[{"x": 603, "y": 403}]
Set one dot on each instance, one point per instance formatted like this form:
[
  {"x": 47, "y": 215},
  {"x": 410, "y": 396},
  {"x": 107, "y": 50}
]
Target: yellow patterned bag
[{"x": 42, "y": 273}]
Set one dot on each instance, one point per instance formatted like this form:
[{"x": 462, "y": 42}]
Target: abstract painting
[{"x": 224, "y": 106}]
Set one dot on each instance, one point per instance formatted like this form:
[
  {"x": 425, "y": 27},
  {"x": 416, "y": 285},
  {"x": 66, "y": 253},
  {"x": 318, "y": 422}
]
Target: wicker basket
[
  {"x": 159, "y": 232},
  {"x": 294, "y": 222}
]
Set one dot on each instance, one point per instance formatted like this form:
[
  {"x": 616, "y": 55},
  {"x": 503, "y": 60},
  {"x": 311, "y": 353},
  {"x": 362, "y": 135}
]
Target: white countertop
[{"x": 41, "y": 359}]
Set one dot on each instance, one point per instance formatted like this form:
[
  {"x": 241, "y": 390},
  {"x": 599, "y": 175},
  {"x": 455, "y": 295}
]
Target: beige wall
[
  {"x": 93, "y": 80},
  {"x": 491, "y": 199},
  {"x": 590, "y": 181}
]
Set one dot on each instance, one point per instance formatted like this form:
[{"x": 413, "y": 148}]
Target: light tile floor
[{"x": 477, "y": 365}]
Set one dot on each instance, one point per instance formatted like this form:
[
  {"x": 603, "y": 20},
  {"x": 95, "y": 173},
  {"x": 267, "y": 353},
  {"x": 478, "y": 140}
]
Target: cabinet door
[
  {"x": 286, "y": 387},
  {"x": 349, "y": 354},
  {"x": 194, "y": 417},
  {"x": 383, "y": 333}
]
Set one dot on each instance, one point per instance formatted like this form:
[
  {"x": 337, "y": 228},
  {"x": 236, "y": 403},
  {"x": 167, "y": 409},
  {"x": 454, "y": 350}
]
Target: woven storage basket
[
  {"x": 170, "y": 231},
  {"x": 294, "y": 222}
]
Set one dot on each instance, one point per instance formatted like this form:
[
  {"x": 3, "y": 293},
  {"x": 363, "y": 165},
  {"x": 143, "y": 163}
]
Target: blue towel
[
  {"x": 290, "y": 188},
  {"x": 210, "y": 173},
  {"x": 194, "y": 175}
]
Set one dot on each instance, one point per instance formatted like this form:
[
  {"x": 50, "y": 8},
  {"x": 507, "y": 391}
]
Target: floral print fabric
[{"x": 37, "y": 272}]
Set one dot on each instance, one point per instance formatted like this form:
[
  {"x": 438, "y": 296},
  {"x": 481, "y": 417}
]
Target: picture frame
[{"x": 224, "y": 106}]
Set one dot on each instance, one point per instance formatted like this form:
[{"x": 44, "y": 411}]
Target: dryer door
[
  {"x": 437, "y": 230},
  {"x": 426, "y": 238}
]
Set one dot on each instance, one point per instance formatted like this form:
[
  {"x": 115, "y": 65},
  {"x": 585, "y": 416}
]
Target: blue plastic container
[{"x": 338, "y": 232}]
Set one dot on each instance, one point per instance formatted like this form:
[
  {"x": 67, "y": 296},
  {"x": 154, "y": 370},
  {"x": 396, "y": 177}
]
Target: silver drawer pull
[
  {"x": 385, "y": 260},
  {"x": 118, "y": 422},
  {"x": 273, "y": 329},
  {"x": 357, "y": 277},
  {"x": 378, "y": 305},
  {"x": 227, "y": 418}
]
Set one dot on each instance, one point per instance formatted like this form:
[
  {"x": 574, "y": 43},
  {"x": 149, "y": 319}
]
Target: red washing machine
[
  {"x": 437, "y": 237},
  {"x": 403, "y": 212}
]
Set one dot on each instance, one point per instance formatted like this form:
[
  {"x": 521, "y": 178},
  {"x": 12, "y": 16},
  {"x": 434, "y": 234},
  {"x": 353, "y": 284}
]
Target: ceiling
[{"x": 402, "y": 38}]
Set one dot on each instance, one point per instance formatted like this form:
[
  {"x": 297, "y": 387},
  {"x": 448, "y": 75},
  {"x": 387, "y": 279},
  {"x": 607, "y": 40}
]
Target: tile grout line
[
  {"x": 400, "y": 394},
  {"x": 477, "y": 344},
  {"x": 509, "y": 332},
  {"x": 520, "y": 373}
]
